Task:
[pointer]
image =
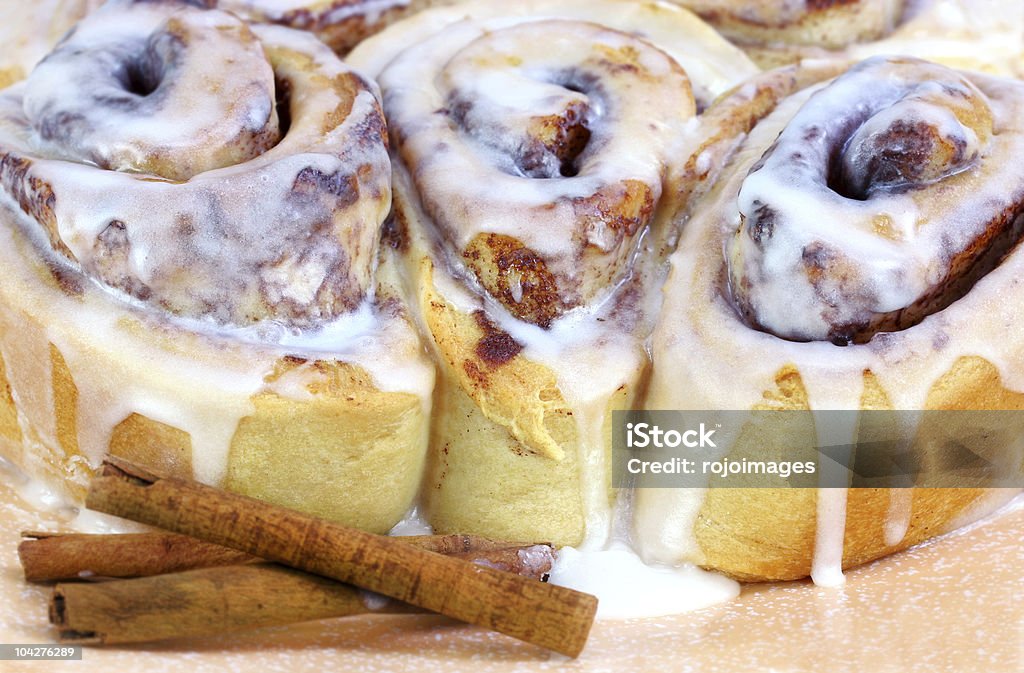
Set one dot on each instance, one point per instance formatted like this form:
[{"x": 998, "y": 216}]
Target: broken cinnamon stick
[
  {"x": 47, "y": 557},
  {"x": 550, "y": 616}
]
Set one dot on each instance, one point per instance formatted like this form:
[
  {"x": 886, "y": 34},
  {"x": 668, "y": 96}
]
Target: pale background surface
[{"x": 953, "y": 604}]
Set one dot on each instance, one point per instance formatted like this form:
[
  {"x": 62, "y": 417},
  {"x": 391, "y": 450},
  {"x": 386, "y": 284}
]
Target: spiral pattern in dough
[
  {"x": 823, "y": 23},
  {"x": 884, "y": 198},
  {"x": 202, "y": 166},
  {"x": 537, "y": 191},
  {"x": 858, "y": 253},
  {"x": 341, "y": 24}
]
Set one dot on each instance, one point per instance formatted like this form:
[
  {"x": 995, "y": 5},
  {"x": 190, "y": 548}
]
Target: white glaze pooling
[
  {"x": 627, "y": 588},
  {"x": 889, "y": 250},
  {"x": 290, "y": 235},
  {"x": 724, "y": 364}
]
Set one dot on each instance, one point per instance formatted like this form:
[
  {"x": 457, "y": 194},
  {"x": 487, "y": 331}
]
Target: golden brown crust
[
  {"x": 965, "y": 356},
  {"x": 769, "y": 534},
  {"x": 340, "y": 431}
]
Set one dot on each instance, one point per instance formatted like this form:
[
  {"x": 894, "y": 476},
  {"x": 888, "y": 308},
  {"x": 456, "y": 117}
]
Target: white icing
[
  {"x": 878, "y": 272},
  {"x": 481, "y": 54},
  {"x": 897, "y": 518},
  {"x": 702, "y": 341},
  {"x": 197, "y": 378},
  {"x": 289, "y": 234},
  {"x": 712, "y": 64},
  {"x": 626, "y": 587},
  {"x": 469, "y": 62},
  {"x": 413, "y": 523},
  {"x": 172, "y": 131},
  {"x": 591, "y": 355}
]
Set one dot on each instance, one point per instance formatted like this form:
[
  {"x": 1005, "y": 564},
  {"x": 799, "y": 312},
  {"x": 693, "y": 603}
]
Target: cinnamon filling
[{"x": 884, "y": 200}]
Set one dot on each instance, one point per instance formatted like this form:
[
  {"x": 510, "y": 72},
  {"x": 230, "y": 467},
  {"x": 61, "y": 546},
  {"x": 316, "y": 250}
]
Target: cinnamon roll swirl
[
  {"x": 536, "y": 191},
  {"x": 822, "y": 23},
  {"x": 859, "y": 252},
  {"x": 342, "y": 24},
  {"x": 193, "y": 209},
  {"x": 986, "y": 35}
]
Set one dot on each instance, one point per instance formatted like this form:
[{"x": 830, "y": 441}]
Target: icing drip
[
  {"x": 244, "y": 265},
  {"x": 897, "y": 518},
  {"x": 565, "y": 160},
  {"x": 198, "y": 378},
  {"x": 706, "y": 357}
]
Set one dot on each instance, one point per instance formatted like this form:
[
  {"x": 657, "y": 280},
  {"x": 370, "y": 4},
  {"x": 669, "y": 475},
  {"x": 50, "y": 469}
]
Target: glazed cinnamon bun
[
  {"x": 820, "y": 23},
  {"x": 535, "y": 197},
  {"x": 859, "y": 252},
  {"x": 986, "y": 35},
  {"x": 192, "y": 215},
  {"x": 342, "y": 24}
]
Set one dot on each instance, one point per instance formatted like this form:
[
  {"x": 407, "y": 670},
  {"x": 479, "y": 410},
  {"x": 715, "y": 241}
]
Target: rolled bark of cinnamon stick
[
  {"x": 222, "y": 599},
  {"x": 198, "y": 600},
  {"x": 203, "y": 602},
  {"x": 550, "y": 616},
  {"x": 47, "y": 557}
]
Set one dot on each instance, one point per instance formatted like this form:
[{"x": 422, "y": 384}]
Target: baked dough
[
  {"x": 708, "y": 354},
  {"x": 535, "y": 196},
  {"x": 304, "y": 382}
]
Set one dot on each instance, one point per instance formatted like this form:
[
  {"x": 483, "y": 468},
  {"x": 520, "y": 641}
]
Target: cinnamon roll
[
  {"x": 342, "y": 24},
  {"x": 859, "y": 252},
  {"x": 192, "y": 215},
  {"x": 821, "y": 23},
  {"x": 986, "y": 35},
  {"x": 535, "y": 197}
]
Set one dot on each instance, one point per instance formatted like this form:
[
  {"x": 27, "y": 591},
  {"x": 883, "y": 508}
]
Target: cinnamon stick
[
  {"x": 550, "y": 616},
  {"x": 202, "y": 602},
  {"x": 208, "y": 601},
  {"x": 47, "y": 557}
]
